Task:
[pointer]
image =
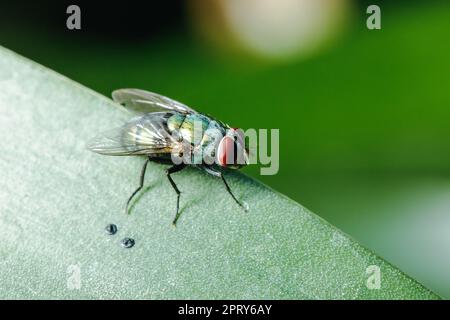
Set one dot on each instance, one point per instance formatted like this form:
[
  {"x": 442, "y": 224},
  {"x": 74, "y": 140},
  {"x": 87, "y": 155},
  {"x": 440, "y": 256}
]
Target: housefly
[{"x": 163, "y": 128}]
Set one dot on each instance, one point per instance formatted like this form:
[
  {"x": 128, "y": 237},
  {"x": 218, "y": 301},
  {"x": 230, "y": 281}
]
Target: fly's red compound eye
[{"x": 226, "y": 152}]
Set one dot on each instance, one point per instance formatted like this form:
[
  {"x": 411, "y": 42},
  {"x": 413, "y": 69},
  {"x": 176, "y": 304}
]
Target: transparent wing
[
  {"x": 140, "y": 136},
  {"x": 142, "y": 102}
]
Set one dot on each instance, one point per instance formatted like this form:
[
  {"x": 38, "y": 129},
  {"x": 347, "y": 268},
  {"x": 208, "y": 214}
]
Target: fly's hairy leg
[
  {"x": 141, "y": 184},
  {"x": 231, "y": 193},
  {"x": 169, "y": 171}
]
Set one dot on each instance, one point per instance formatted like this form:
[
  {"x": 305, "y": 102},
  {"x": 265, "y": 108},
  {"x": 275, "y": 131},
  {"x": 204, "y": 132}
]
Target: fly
[{"x": 164, "y": 127}]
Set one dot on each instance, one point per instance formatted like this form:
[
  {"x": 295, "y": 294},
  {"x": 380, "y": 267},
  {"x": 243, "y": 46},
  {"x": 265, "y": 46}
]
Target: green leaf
[{"x": 56, "y": 199}]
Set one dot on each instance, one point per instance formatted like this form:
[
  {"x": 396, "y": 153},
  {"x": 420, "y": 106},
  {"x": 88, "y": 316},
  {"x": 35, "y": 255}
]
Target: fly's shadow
[
  {"x": 141, "y": 194},
  {"x": 137, "y": 193}
]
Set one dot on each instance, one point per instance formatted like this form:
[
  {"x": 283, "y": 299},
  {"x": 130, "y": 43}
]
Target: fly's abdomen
[
  {"x": 146, "y": 135},
  {"x": 133, "y": 136}
]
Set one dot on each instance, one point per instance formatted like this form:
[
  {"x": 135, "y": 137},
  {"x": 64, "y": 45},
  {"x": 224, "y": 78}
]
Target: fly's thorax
[
  {"x": 190, "y": 128},
  {"x": 213, "y": 134},
  {"x": 175, "y": 121},
  {"x": 199, "y": 136},
  {"x": 210, "y": 141}
]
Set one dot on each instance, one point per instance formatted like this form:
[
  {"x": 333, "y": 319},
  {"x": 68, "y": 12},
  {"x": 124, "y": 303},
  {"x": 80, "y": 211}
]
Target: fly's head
[{"x": 231, "y": 151}]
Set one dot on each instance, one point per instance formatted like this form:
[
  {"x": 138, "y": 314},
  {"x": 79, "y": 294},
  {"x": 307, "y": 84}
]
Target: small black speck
[
  {"x": 127, "y": 242},
  {"x": 111, "y": 229}
]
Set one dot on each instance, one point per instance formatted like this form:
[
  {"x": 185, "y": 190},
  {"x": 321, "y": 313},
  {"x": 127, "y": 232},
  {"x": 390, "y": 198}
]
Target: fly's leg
[
  {"x": 141, "y": 184},
  {"x": 169, "y": 171},
  {"x": 231, "y": 193}
]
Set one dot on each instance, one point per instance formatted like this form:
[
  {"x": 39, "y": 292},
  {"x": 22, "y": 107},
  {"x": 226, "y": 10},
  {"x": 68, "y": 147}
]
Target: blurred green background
[{"x": 364, "y": 115}]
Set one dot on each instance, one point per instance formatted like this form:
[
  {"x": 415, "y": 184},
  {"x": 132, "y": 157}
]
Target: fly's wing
[
  {"x": 142, "y": 102},
  {"x": 144, "y": 135}
]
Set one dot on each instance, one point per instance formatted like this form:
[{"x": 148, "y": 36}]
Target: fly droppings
[
  {"x": 111, "y": 229},
  {"x": 127, "y": 243}
]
